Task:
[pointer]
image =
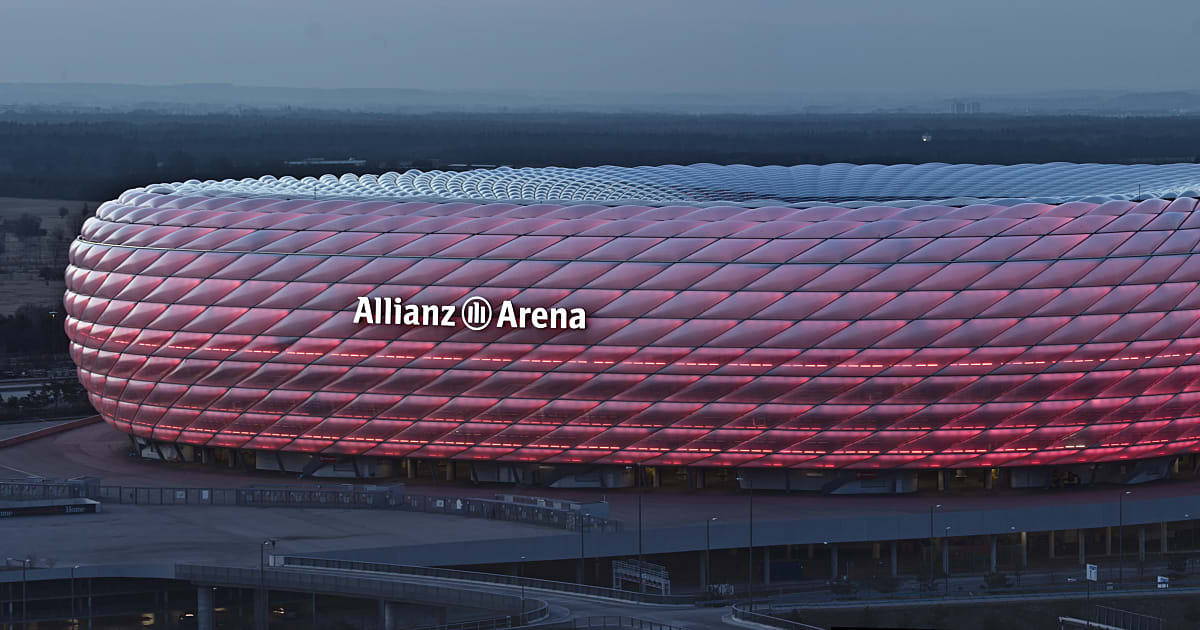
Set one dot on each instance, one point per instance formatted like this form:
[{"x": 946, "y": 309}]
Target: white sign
[
  {"x": 1163, "y": 581},
  {"x": 1092, "y": 573},
  {"x": 476, "y": 314}
]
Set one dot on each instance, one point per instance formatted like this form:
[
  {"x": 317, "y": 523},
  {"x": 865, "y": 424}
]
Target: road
[
  {"x": 564, "y": 606},
  {"x": 132, "y": 534},
  {"x": 673, "y": 519}
]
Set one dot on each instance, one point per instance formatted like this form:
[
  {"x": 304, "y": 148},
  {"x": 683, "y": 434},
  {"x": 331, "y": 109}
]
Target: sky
[{"x": 642, "y": 46}]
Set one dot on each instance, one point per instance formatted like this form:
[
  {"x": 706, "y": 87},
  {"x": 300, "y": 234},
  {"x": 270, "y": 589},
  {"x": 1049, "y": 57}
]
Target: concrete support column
[
  {"x": 876, "y": 550},
  {"x": 386, "y": 621},
  {"x": 833, "y": 561},
  {"x": 449, "y": 470},
  {"x": 705, "y": 559},
  {"x": 1142, "y": 544},
  {"x": 766, "y": 563},
  {"x": 1108, "y": 541},
  {"x": 1162, "y": 538},
  {"x": 204, "y": 608},
  {"x": 409, "y": 469},
  {"x": 1082, "y": 534},
  {"x": 1024, "y": 549},
  {"x": 261, "y": 613},
  {"x": 895, "y": 568},
  {"x": 941, "y": 477},
  {"x": 946, "y": 556},
  {"x": 989, "y": 482},
  {"x": 992, "y": 554},
  {"x": 1052, "y": 544}
]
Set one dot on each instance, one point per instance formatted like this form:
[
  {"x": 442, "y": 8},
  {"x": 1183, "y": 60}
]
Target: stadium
[{"x": 848, "y": 328}]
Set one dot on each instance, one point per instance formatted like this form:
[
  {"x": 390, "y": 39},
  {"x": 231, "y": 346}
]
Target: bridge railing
[
  {"x": 516, "y": 611},
  {"x": 476, "y": 576},
  {"x": 613, "y": 621},
  {"x": 345, "y": 496},
  {"x": 754, "y": 614}
]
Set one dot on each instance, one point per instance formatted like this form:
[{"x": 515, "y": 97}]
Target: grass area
[{"x": 24, "y": 259}]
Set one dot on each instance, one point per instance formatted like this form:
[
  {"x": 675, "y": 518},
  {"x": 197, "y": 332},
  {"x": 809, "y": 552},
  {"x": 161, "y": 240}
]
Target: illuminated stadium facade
[{"x": 864, "y": 321}]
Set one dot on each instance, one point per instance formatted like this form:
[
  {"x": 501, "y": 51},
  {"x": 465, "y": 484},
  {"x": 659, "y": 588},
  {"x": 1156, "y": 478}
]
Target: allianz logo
[{"x": 476, "y": 313}]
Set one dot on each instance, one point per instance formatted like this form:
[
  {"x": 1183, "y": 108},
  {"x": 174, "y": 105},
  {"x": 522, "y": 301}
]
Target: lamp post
[
  {"x": 582, "y": 557},
  {"x": 270, "y": 542},
  {"x": 264, "y": 609},
  {"x": 750, "y": 547},
  {"x": 24, "y": 600},
  {"x": 1013, "y": 529},
  {"x": 521, "y": 576},
  {"x": 1187, "y": 518},
  {"x": 641, "y": 557},
  {"x": 708, "y": 551},
  {"x": 74, "y": 621},
  {"x": 931, "y": 540},
  {"x": 1121, "y": 536},
  {"x": 637, "y": 481},
  {"x": 946, "y": 542}
]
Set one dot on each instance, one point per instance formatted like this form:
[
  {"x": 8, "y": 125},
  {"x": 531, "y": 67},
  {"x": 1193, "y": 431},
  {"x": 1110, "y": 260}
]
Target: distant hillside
[{"x": 222, "y": 98}]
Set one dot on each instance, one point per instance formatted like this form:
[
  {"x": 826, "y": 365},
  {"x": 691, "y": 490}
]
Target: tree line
[{"x": 96, "y": 156}]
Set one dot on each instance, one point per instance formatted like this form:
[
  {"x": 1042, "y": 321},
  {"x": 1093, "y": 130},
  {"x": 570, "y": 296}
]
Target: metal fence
[
  {"x": 747, "y": 612},
  {"x": 493, "y": 623},
  {"x": 487, "y": 578},
  {"x": 612, "y": 621},
  {"x": 41, "y": 489},
  {"x": 344, "y": 496},
  {"x": 515, "y": 611},
  {"x": 1126, "y": 619},
  {"x": 505, "y": 511},
  {"x": 379, "y": 498}
]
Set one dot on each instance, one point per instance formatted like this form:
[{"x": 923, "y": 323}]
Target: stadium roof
[{"x": 707, "y": 184}]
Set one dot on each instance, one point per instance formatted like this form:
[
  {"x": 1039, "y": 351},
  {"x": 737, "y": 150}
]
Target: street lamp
[
  {"x": 1191, "y": 540},
  {"x": 750, "y": 548},
  {"x": 1121, "y": 536},
  {"x": 521, "y": 576},
  {"x": 262, "y": 580},
  {"x": 270, "y": 542},
  {"x": 708, "y": 551},
  {"x": 946, "y": 559},
  {"x": 74, "y": 620},
  {"x": 637, "y": 481},
  {"x": 582, "y": 557},
  {"x": 1013, "y": 529},
  {"x": 931, "y": 541},
  {"x": 24, "y": 600}
]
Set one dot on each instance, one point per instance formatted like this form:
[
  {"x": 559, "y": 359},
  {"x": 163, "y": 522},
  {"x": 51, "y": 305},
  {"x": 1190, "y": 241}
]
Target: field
[{"x": 32, "y": 266}]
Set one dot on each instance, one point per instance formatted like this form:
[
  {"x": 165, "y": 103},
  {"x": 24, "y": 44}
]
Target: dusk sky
[{"x": 610, "y": 45}]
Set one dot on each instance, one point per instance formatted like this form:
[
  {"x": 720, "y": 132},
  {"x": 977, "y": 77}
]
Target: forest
[{"x": 95, "y": 156}]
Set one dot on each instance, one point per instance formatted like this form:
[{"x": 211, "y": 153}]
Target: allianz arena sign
[{"x": 475, "y": 313}]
